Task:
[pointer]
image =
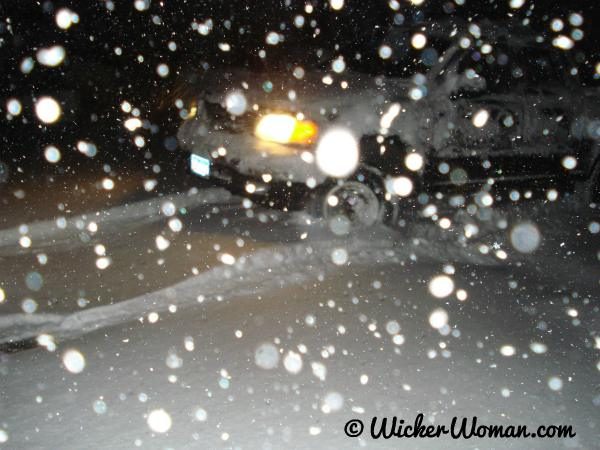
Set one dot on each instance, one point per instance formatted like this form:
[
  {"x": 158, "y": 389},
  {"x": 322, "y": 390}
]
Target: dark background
[{"x": 94, "y": 80}]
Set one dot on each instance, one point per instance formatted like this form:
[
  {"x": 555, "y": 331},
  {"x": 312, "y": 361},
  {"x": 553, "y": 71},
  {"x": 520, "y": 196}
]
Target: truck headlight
[{"x": 286, "y": 129}]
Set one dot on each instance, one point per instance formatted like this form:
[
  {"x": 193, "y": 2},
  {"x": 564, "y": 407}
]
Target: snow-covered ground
[
  {"x": 69, "y": 231},
  {"x": 280, "y": 344}
]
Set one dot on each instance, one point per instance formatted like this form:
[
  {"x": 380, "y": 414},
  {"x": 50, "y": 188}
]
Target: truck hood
[{"x": 351, "y": 99}]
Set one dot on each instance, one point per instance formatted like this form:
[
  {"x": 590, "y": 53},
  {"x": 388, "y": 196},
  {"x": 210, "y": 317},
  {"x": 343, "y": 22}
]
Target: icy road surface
[{"x": 284, "y": 336}]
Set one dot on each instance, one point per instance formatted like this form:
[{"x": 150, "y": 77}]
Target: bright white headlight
[
  {"x": 337, "y": 153},
  {"x": 286, "y": 129}
]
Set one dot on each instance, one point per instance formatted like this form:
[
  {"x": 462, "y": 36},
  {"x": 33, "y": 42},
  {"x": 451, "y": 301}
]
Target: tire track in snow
[
  {"x": 48, "y": 234},
  {"x": 251, "y": 275}
]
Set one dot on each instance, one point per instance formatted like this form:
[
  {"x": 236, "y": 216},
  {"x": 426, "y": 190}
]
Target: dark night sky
[{"x": 357, "y": 27}]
